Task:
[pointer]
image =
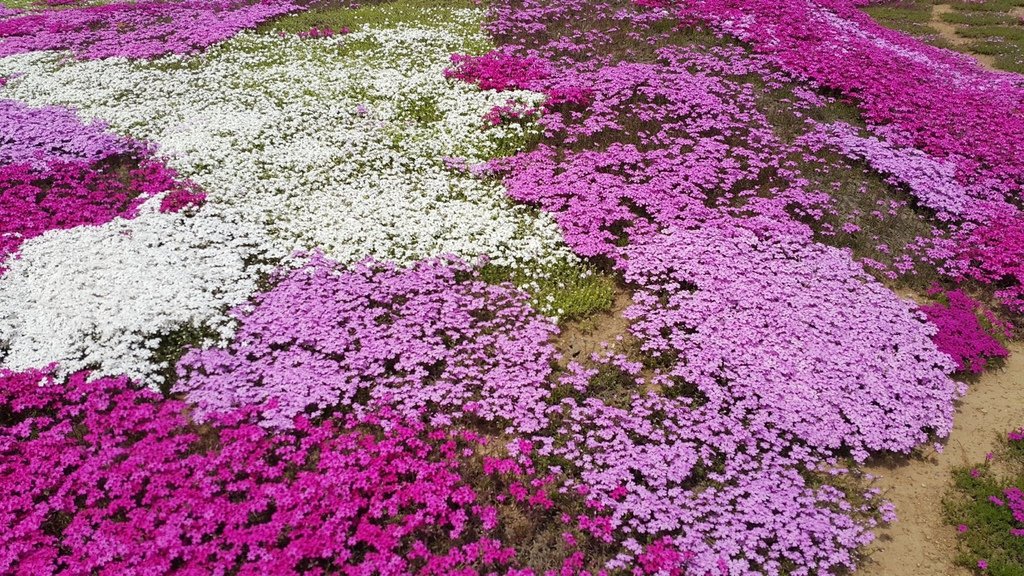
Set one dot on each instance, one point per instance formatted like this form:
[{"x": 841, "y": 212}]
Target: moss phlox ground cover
[{"x": 281, "y": 285}]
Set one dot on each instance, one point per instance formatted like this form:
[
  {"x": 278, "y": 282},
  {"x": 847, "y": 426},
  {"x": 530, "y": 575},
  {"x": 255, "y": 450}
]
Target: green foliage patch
[{"x": 981, "y": 507}]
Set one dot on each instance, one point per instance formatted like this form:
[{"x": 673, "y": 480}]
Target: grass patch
[
  {"x": 984, "y": 526},
  {"x": 910, "y": 17},
  {"x": 979, "y": 18},
  {"x": 569, "y": 290},
  {"x": 886, "y": 218},
  {"x": 992, "y": 27},
  {"x": 377, "y": 14},
  {"x": 19, "y": 4},
  {"x": 986, "y": 5},
  {"x": 613, "y": 386},
  {"x": 1009, "y": 34}
]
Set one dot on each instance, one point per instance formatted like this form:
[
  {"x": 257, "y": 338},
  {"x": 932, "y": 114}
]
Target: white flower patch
[
  {"x": 99, "y": 297},
  {"x": 335, "y": 143}
]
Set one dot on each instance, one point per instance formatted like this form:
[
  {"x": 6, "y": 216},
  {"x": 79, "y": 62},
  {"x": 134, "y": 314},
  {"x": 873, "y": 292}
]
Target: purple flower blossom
[
  {"x": 378, "y": 335},
  {"x": 40, "y": 136}
]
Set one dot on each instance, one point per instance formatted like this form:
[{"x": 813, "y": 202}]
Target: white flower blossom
[
  {"x": 271, "y": 126},
  {"x": 95, "y": 296}
]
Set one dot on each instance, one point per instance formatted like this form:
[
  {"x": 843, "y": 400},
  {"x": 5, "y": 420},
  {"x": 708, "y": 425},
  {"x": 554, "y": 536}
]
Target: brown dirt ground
[
  {"x": 579, "y": 340},
  {"x": 919, "y": 543}
]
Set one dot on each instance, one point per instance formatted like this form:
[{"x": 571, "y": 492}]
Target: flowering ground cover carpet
[{"x": 523, "y": 287}]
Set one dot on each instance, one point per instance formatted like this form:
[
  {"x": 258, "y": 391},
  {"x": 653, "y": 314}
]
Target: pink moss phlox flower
[
  {"x": 706, "y": 296},
  {"x": 961, "y": 334},
  {"x": 429, "y": 336},
  {"x": 1015, "y": 502},
  {"x": 993, "y": 254},
  {"x": 136, "y": 29},
  {"x": 101, "y": 476},
  {"x": 933, "y": 182},
  {"x": 509, "y": 112},
  {"x": 180, "y": 199},
  {"x": 964, "y": 117},
  {"x": 498, "y": 71}
]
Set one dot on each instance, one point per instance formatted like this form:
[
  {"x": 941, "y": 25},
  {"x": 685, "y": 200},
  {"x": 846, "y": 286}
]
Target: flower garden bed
[{"x": 285, "y": 288}]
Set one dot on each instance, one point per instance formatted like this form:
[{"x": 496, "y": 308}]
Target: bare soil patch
[
  {"x": 579, "y": 340},
  {"x": 920, "y": 543}
]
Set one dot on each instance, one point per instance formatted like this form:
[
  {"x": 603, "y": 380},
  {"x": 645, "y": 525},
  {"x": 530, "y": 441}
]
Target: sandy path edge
[{"x": 920, "y": 543}]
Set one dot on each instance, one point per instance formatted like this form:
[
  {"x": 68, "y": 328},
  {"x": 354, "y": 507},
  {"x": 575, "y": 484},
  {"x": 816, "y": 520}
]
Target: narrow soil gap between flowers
[{"x": 578, "y": 340}]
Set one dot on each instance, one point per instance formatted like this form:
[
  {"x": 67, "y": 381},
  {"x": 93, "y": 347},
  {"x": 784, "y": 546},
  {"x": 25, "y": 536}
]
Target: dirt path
[
  {"x": 948, "y": 33},
  {"x": 920, "y": 543}
]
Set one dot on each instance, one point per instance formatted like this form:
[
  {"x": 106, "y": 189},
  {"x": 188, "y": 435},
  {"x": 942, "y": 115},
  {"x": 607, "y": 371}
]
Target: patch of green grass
[
  {"x": 985, "y": 6},
  {"x": 886, "y": 216},
  {"x": 990, "y": 28},
  {"x": 173, "y": 347},
  {"x": 338, "y": 15},
  {"x": 1011, "y": 62},
  {"x": 19, "y": 4},
  {"x": 1008, "y": 34},
  {"x": 578, "y": 290},
  {"x": 613, "y": 386},
  {"x": 37, "y": 5},
  {"x": 979, "y": 18},
  {"x": 987, "y": 536},
  {"x": 910, "y": 17}
]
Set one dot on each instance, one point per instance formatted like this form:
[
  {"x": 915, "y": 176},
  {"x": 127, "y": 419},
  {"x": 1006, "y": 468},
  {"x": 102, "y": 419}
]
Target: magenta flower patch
[
  {"x": 498, "y": 71},
  {"x": 97, "y": 476},
  {"x": 961, "y": 334},
  {"x": 993, "y": 254},
  {"x": 136, "y": 29}
]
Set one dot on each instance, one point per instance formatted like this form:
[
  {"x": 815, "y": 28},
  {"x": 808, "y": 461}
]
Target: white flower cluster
[
  {"x": 337, "y": 144},
  {"x": 100, "y": 297},
  {"x": 333, "y": 143}
]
